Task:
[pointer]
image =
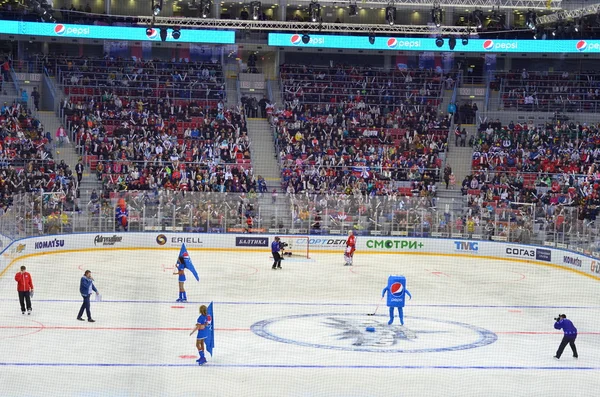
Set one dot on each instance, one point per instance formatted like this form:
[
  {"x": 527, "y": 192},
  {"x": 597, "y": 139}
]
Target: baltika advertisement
[{"x": 428, "y": 44}]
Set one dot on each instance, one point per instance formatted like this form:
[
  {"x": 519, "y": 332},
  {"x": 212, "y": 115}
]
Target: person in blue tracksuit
[
  {"x": 86, "y": 286},
  {"x": 275, "y": 248},
  {"x": 180, "y": 270},
  {"x": 203, "y": 325},
  {"x": 570, "y": 334}
]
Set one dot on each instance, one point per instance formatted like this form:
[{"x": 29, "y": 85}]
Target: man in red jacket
[{"x": 25, "y": 288}]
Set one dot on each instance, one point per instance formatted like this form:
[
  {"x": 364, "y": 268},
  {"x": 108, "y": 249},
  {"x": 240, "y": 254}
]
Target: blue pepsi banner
[
  {"x": 428, "y": 44},
  {"x": 113, "y": 32}
]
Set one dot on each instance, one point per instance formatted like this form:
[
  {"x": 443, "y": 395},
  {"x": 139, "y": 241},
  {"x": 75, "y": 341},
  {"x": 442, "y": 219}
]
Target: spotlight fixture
[
  {"x": 163, "y": 34},
  {"x": 176, "y": 34},
  {"x": 439, "y": 42},
  {"x": 465, "y": 40},
  {"x": 205, "y": 8},
  {"x": 43, "y": 9},
  {"x": 371, "y": 39},
  {"x": 255, "y": 8},
  {"x": 452, "y": 42},
  {"x": 353, "y": 10},
  {"x": 149, "y": 31},
  {"x": 531, "y": 19},
  {"x": 157, "y": 7},
  {"x": 436, "y": 16},
  {"x": 390, "y": 14},
  {"x": 314, "y": 10},
  {"x": 305, "y": 38}
]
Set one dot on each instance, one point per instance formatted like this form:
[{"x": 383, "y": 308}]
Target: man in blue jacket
[
  {"x": 86, "y": 286},
  {"x": 275, "y": 248},
  {"x": 570, "y": 334}
]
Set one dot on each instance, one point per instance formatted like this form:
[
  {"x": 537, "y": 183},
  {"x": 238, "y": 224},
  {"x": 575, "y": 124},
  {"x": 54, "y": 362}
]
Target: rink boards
[{"x": 545, "y": 255}]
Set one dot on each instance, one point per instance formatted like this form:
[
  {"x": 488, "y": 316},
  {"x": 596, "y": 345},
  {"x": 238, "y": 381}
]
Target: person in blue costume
[
  {"x": 203, "y": 326},
  {"x": 396, "y": 291},
  {"x": 184, "y": 262},
  {"x": 180, "y": 270}
]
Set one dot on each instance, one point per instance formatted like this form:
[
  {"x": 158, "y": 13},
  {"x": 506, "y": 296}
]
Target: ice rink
[{"x": 475, "y": 327}]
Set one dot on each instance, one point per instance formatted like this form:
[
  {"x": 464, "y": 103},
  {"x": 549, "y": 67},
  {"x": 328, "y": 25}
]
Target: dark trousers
[
  {"x": 85, "y": 306},
  {"x": 24, "y": 298},
  {"x": 567, "y": 340},
  {"x": 276, "y": 259}
]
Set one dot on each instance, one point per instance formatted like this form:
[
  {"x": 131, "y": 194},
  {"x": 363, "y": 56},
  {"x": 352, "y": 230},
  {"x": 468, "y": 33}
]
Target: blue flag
[
  {"x": 188, "y": 262},
  {"x": 209, "y": 342}
]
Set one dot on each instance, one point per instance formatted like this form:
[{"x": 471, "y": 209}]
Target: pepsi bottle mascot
[
  {"x": 205, "y": 337},
  {"x": 350, "y": 248},
  {"x": 396, "y": 291},
  {"x": 122, "y": 215},
  {"x": 184, "y": 262}
]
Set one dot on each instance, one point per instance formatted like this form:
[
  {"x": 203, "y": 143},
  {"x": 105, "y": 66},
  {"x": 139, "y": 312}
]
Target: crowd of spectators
[
  {"x": 26, "y": 160},
  {"x": 544, "y": 175},
  {"x": 360, "y": 130},
  {"x": 549, "y": 91},
  {"x": 137, "y": 140},
  {"x": 178, "y": 82}
]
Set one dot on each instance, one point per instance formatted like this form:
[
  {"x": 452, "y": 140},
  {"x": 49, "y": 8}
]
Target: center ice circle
[{"x": 347, "y": 331}]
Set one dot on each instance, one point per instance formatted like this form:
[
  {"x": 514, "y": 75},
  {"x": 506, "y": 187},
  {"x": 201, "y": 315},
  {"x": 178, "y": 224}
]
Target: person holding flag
[
  {"x": 205, "y": 337},
  {"x": 184, "y": 262}
]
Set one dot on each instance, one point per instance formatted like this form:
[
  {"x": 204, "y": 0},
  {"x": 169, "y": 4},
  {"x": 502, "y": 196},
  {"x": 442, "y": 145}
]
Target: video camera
[
  {"x": 283, "y": 244},
  {"x": 559, "y": 317}
]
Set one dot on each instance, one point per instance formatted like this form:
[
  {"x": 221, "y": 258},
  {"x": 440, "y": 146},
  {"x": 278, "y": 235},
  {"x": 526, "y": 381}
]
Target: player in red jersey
[{"x": 350, "y": 248}]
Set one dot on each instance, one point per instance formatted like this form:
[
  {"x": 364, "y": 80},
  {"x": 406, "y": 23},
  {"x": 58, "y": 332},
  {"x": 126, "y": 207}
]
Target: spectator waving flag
[
  {"x": 188, "y": 262},
  {"x": 210, "y": 339}
]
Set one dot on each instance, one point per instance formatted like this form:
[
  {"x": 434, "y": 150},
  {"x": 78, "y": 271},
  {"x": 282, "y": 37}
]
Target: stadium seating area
[
  {"x": 164, "y": 84},
  {"x": 553, "y": 167},
  {"x": 547, "y": 91},
  {"x": 136, "y": 129},
  {"x": 347, "y": 129},
  {"x": 26, "y": 162}
]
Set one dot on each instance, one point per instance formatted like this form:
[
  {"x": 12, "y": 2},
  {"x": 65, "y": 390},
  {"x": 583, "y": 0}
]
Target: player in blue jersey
[
  {"x": 203, "y": 325},
  {"x": 275, "y": 248},
  {"x": 180, "y": 270}
]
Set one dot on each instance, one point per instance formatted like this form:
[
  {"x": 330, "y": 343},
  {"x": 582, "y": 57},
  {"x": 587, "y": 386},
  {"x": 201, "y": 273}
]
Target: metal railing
[{"x": 393, "y": 215}]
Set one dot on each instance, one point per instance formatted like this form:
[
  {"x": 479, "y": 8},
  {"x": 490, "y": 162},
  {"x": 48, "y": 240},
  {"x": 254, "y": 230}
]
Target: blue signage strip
[
  {"x": 113, "y": 32},
  {"x": 428, "y": 44}
]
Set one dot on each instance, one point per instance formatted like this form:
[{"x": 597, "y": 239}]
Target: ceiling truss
[
  {"x": 301, "y": 27},
  {"x": 566, "y": 15},
  {"x": 506, "y": 4}
]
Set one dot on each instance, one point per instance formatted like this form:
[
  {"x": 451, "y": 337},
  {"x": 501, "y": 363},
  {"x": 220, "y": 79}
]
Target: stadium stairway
[
  {"x": 276, "y": 91},
  {"x": 459, "y": 159},
  {"x": 68, "y": 153},
  {"x": 265, "y": 164},
  {"x": 231, "y": 89},
  {"x": 8, "y": 93}
]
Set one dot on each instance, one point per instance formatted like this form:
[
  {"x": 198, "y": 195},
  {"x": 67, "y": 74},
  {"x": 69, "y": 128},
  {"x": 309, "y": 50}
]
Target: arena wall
[{"x": 549, "y": 256}]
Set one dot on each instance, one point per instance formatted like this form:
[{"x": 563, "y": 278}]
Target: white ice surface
[{"x": 140, "y": 346}]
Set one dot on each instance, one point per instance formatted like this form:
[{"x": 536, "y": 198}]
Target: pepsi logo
[
  {"x": 60, "y": 29},
  {"x": 396, "y": 289},
  {"x": 488, "y": 44},
  {"x": 296, "y": 39},
  {"x": 153, "y": 35},
  {"x": 581, "y": 45},
  {"x": 392, "y": 43}
]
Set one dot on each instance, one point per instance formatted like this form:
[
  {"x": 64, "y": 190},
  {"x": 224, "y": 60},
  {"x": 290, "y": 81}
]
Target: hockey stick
[{"x": 376, "y": 308}]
